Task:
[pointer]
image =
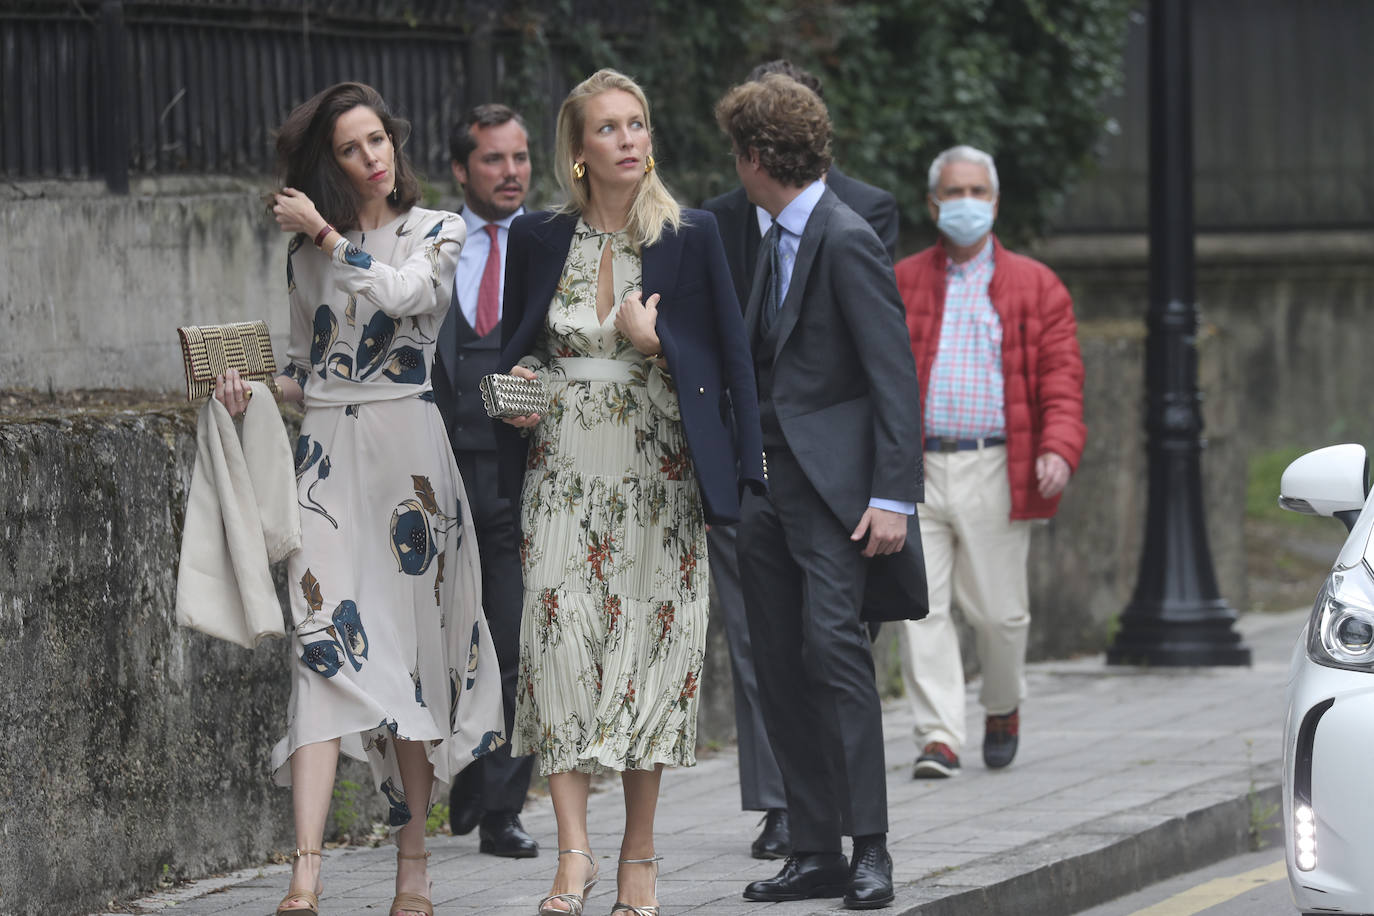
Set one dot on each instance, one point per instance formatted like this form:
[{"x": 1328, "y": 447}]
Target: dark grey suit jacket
[
  {"x": 739, "y": 226},
  {"x": 843, "y": 388}
]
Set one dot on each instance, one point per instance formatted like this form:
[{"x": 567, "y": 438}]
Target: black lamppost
[{"x": 1176, "y": 616}]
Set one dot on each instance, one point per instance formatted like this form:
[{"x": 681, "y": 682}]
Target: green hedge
[{"x": 1023, "y": 79}]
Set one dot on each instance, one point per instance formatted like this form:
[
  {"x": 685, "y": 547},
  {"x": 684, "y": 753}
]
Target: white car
[{"x": 1328, "y": 760}]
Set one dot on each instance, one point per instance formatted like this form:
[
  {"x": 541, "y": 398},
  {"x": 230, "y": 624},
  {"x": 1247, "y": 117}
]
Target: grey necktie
[{"x": 772, "y": 300}]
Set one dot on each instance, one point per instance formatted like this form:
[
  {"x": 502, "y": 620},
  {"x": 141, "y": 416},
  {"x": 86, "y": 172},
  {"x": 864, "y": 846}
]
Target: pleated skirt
[{"x": 616, "y": 597}]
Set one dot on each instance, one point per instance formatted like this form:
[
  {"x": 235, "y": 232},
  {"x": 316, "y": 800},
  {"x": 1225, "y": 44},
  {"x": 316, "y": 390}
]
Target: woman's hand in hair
[{"x": 296, "y": 213}]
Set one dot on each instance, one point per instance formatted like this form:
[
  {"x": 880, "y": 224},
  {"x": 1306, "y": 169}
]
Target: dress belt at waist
[
  {"x": 590, "y": 369},
  {"x": 338, "y": 395},
  {"x": 951, "y": 444}
]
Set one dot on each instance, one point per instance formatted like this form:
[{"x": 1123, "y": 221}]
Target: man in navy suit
[
  {"x": 491, "y": 161},
  {"x": 827, "y": 546},
  {"x": 742, "y": 226}
]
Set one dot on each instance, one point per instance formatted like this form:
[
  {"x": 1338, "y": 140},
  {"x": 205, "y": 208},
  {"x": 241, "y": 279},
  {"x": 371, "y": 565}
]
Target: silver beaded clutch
[{"x": 508, "y": 396}]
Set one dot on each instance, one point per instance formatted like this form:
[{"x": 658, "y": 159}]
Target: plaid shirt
[{"x": 965, "y": 397}]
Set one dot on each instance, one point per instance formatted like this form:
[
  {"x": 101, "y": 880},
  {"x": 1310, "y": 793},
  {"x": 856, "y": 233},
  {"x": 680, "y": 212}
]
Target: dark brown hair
[
  {"x": 782, "y": 120},
  {"x": 787, "y": 68},
  {"x": 305, "y": 153},
  {"x": 461, "y": 142}
]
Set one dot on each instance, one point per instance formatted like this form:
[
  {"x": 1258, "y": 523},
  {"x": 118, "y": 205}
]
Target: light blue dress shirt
[{"x": 472, "y": 261}]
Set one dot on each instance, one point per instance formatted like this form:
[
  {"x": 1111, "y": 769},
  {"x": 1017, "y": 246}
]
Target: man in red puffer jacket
[{"x": 997, "y": 355}]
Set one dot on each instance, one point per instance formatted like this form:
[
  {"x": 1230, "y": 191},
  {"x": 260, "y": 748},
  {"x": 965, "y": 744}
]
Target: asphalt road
[{"x": 1255, "y": 884}]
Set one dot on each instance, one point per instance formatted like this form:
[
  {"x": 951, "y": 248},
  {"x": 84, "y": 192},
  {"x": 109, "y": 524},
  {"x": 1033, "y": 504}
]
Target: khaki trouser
[{"x": 974, "y": 552}]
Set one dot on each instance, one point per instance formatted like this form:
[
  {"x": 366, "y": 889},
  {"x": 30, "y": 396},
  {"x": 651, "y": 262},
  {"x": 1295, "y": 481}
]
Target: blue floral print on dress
[
  {"x": 357, "y": 257},
  {"x": 321, "y": 642},
  {"x": 326, "y": 332},
  {"x": 400, "y": 811},
  {"x": 351, "y": 634},
  {"x": 415, "y": 526},
  {"x": 291, "y": 249},
  {"x": 322, "y": 656},
  {"x": 375, "y": 345},
  {"x": 310, "y": 455},
  {"x": 412, "y": 542},
  {"x": 419, "y": 692},
  {"x": 406, "y": 366},
  {"x": 490, "y": 742}
]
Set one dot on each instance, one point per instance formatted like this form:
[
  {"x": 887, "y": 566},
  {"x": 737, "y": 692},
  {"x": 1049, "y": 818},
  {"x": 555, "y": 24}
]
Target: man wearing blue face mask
[{"x": 1001, "y": 379}]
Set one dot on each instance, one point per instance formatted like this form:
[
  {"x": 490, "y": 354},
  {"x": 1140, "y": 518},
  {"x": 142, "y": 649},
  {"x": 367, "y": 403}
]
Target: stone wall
[
  {"x": 132, "y": 749},
  {"x": 1290, "y": 306},
  {"x": 93, "y": 286}
]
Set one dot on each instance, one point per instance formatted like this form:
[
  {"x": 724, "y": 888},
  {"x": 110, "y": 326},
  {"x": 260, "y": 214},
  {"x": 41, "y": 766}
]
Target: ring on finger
[{"x": 248, "y": 394}]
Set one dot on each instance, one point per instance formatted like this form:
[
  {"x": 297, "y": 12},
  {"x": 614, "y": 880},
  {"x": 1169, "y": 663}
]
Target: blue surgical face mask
[{"x": 964, "y": 220}]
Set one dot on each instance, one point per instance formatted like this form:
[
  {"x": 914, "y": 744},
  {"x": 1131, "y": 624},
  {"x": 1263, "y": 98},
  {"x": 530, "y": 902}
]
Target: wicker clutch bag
[
  {"x": 509, "y": 396},
  {"x": 211, "y": 350}
]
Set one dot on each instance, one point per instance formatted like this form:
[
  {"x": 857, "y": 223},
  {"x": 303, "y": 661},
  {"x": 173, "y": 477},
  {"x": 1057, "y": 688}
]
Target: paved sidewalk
[{"x": 1125, "y": 776}]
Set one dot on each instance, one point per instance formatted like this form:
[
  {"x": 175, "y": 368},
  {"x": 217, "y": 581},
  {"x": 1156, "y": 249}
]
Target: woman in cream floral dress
[
  {"x": 613, "y": 542},
  {"x": 622, "y": 305}
]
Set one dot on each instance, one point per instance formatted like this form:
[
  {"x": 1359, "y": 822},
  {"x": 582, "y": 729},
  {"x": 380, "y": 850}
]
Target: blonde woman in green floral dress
[{"x": 623, "y": 305}]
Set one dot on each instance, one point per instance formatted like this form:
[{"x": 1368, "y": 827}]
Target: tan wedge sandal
[
  {"x": 647, "y": 910},
  {"x": 412, "y": 903},
  {"x": 299, "y": 895},
  {"x": 575, "y": 902}
]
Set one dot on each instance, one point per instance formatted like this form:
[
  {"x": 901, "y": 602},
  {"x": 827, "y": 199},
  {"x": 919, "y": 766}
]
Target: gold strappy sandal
[
  {"x": 412, "y": 903},
  {"x": 574, "y": 902},
  {"x": 305, "y": 896},
  {"x": 648, "y": 910}
]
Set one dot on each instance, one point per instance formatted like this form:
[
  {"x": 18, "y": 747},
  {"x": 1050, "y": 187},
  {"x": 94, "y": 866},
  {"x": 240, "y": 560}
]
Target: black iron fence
[
  {"x": 106, "y": 89},
  {"x": 1284, "y": 117},
  {"x": 102, "y": 90}
]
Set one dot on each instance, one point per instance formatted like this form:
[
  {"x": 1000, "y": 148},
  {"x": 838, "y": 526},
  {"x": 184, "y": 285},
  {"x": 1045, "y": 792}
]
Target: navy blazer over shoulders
[{"x": 701, "y": 329}]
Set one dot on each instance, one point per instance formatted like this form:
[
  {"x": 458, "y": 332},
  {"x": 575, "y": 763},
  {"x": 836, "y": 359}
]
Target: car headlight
[{"x": 1341, "y": 631}]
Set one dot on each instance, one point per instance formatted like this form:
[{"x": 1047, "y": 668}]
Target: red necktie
[{"x": 489, "y": 293}]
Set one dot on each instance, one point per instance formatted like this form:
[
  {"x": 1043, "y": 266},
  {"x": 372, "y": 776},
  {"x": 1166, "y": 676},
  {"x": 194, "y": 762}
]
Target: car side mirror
[{"x": 1331, "y": 481}]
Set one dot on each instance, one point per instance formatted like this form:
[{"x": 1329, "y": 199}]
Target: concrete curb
[{"x": 1107, "y": 858}]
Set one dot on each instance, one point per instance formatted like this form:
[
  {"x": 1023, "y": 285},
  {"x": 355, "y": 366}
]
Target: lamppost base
[{"x": 1148, "y": 637}]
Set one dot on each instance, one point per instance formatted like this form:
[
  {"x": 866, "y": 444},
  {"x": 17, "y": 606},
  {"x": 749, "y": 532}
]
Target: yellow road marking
[{"x": 1219, "y": 890}]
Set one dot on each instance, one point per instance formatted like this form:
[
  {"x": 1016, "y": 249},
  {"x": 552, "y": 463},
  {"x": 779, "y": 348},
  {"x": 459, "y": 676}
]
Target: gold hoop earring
[
  {"x": 579, "y": 170},
  {"x": 648, "y": 165}
]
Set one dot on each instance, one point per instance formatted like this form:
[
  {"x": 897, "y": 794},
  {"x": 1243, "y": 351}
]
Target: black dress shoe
[
  {"x": 775, "y": 839},
  {"x": 870, "y": 879},
  {"x": 465, "y": 801},
  {"x": 816, "y": 874},
  {"x": 501, "y": 834}
]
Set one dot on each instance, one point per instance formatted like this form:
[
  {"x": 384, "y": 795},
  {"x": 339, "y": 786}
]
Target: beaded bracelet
[{"x": 324, "y": 232}]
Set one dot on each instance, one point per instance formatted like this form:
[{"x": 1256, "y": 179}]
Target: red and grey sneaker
[
  {"x": 1001, "y": 734},
  {"x": 937, "y": 761}
]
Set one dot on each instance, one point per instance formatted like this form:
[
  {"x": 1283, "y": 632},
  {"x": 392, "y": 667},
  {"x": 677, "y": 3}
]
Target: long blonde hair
[{"x": 653, "y": 207}]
